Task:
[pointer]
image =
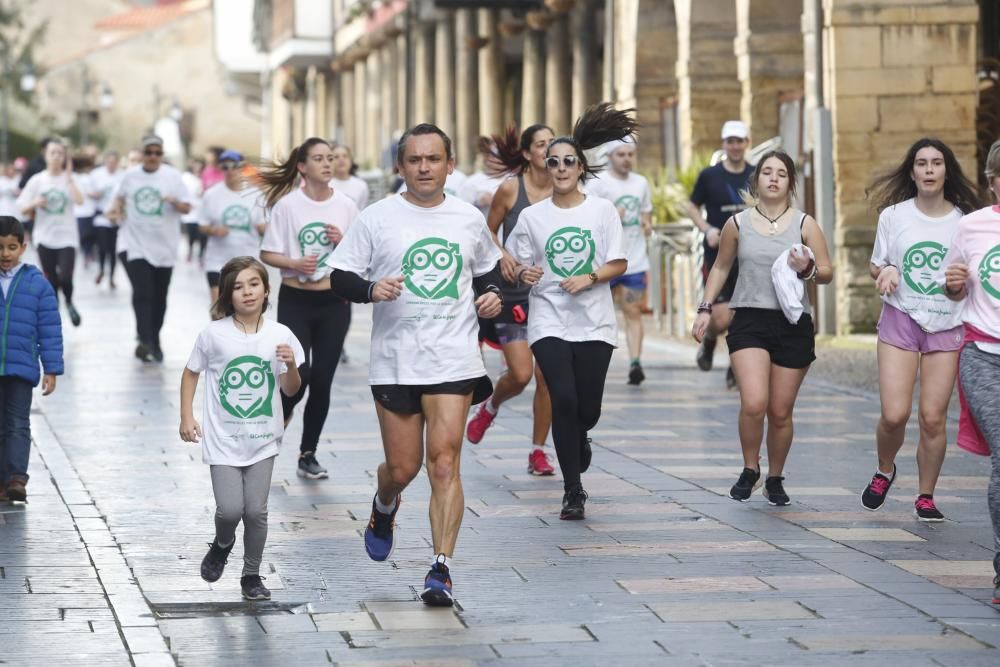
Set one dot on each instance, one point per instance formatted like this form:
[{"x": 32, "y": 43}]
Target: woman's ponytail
[{"x": 277, "y": 179}]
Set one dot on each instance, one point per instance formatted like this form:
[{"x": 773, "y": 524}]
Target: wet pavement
[{"x": 101, "y": 565}]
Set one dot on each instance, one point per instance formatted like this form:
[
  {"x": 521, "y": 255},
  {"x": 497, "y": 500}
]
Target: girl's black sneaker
[
  {"x": 254, "y": 588},
  {"x": 774, "y": 491},
  {"x": 744, "y": 487},
  {"x": 214, "y": 562},
  {"x": 572, "y": 506}
]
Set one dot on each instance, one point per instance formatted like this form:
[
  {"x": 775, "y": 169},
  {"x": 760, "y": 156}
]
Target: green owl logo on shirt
[
  {"x": 921, "y": 263},
  {"x": 55, "y": 202},
  {"x": 148, "y": 201},
  {"x": 246, "y": 388},
  {"x": 313, "y": 242},
  {"x": 237, "y": 217},
  {"x": 432, "y": 267},
  {"x": 989, "y": 272},
  {"x": 570, "y": 252},
  {"x": 628, "y": 209}
]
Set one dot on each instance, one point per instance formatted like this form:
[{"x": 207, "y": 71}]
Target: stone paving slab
[{"x": 103, "y": 560}]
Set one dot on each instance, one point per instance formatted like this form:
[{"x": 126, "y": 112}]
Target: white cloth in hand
[{"x": 787, "y": 284}]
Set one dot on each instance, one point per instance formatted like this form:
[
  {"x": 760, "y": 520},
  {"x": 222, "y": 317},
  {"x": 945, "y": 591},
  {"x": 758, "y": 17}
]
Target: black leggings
[
  {"x": 107, "y": 239},
  {"x": 57, "y": 265},
  {"x": 195, "y": 236},
  {"x": 149, "y": 299},
  {"x": 319, "y": 319},
  {"x": 575, "y": 374},
  {"x": 88, "y": 238}
]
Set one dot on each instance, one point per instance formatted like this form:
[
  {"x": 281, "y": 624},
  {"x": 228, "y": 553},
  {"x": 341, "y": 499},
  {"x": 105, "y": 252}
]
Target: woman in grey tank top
[
  {"x": 769, "y": 354},
  {"x": 525, "y": 157}
]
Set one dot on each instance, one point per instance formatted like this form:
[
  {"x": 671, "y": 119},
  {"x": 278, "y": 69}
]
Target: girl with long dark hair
[
  {"x": 920, "y": 203},
  {"x": 770, "y": 355},
  {"x": 306, "y": 224},
  {"x": 567, "y": 248},
  {"x": 524, "y": 156}
]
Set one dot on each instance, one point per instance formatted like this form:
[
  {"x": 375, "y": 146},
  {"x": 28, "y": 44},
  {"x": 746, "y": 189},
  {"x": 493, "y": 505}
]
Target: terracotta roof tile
[{"x": 149, "y": 17}]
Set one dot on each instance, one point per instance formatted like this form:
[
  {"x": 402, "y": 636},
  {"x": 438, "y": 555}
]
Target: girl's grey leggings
[
  {"x": 979, "y": 373},
  {"x": 241, "y": 493}
]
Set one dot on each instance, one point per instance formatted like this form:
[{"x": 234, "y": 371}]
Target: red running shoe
[
  {"x": 481, "y": 421},
  {"x": 538, "y": 463}
]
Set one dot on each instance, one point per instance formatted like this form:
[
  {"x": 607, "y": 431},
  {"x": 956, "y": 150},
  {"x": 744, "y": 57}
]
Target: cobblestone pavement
[{"x": 101, "y": 565}]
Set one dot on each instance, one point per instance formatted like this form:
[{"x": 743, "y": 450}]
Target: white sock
[
  {"x": 444, "y": 560},
  {"x": 887, "y": 475},
  {"x": 386, "y": 509},
  {"x": 490, "y": 408},
  {"x": 540, "y": 447}
]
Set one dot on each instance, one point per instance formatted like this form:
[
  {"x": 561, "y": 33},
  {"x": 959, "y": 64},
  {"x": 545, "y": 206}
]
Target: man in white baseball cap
[{"x": 718, "y": 189}]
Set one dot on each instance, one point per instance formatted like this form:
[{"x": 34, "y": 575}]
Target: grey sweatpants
[
  {"x": 979, "y": 373},
  {"x": 241, "y": 494}
]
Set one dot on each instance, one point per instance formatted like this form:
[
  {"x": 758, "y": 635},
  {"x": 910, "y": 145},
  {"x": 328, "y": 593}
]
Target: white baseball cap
[{"x": 735, "y": 128}]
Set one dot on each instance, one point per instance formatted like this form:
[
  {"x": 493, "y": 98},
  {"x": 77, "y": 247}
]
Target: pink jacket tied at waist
[{"x": 970, "y": 438}]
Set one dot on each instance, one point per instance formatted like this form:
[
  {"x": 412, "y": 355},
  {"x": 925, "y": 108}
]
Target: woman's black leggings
[
  {"x": 150, "y": 285},
  {"x": 88, "y": 238},
  {"x": 319, "y": 319},
  {"x": 57, "y": 265},
  {"x": 107, "y": 238},
  {"x": 575, "y": 373}
]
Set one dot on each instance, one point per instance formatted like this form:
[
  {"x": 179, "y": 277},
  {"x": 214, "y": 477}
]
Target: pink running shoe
[
  {"x": 538, "y": 463},
  {"x": 481, "y": 421}
]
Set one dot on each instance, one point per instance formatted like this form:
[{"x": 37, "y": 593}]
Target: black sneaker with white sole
[
  {"x": 214, "y": 562},
  {"x": 744, "y": 487},
  {"x": 635, "y": 374},
  {"x": 874, "y": 495},
  {"x": 310, "y": 468},
  {"x": 774, "y": 491},
  {"x": 253, "y": 588}
]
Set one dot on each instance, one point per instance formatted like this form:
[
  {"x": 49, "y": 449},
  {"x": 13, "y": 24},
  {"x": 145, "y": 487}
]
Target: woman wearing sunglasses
[
  {"x": 567, "y": 248},
  {"x": 231, "y": 217},
  {"x": 526, "y": 158}
]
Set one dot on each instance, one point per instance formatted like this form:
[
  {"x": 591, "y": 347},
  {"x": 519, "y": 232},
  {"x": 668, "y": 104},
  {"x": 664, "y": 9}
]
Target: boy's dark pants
[{"x": 15, "y": 429}]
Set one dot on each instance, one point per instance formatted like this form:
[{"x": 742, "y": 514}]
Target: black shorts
[
  {"x": 789, "y": 345},
  {"x": 405, "y": 398},
  {"x": 213, "y": 278}
]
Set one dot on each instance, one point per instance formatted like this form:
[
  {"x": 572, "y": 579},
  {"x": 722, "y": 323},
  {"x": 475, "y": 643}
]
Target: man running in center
[{"x": 429, "y": 264}]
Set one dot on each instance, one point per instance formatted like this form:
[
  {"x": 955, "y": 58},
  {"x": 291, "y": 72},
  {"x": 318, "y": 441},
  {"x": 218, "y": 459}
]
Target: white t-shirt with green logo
[
  {"x": 242, "y": 421},
  {"x": 297, "y": 228},
  {"x": 430, "y": 334},
  {"x": 917, "y": 244},
  {"x": 238, "y": 211},
  {"x": 631, "y": 198},
  {"x": 55, "y": 223},
  {"x": 569, "y": 242},
  {"x": 151, "y": 228},
  {"x": 354, "y": 187}
]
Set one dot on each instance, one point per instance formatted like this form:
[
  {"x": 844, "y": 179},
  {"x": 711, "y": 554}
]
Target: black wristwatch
[{"x": 593, "y": 277}]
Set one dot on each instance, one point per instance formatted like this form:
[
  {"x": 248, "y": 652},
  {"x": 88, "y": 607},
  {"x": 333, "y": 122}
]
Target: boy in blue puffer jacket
[{"x": 29, "y": 330}]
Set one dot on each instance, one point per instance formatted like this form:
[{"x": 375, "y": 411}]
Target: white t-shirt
[
  {"x": 151, "y": 229},
  {"x": 240, "y": 212},
  {"x": 86, "y": 186},
  {"x": 55, "y": 223},
  {"x": 569, "y": 242},
  {"x": 977, "y": 245},
  {"x": 106, "y": 183},
  {"x": 430, "y": 334},
  {"x": 631, "y": 198},
  {"x": 297, "y": 228},
  {"x": 478, "y": 184},
  {"x": 243, "y": 422},
  {"x": 8, "y": 197},
  {"x": 353, "y": 187},
  {"x": 195, "y": 192},
  {"x": 917, "y": 244}
]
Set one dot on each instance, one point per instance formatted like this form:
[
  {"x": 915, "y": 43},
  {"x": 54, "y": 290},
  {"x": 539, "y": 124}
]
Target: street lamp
[
  {"x": 107, "y": 98},
  {"x": 176, "y": 112},
  {"x": 28, "y": 82},
  {"x": 105, "y": 102}
]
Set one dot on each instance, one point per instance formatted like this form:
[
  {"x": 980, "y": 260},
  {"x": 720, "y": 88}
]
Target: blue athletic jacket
[{"x": 30, "y": 327}]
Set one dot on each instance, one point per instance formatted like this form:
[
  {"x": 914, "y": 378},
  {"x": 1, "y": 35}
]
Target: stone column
[
  {"x": 322, "y": 110},
  {"x": 310, "y": 102},
  {"x": 347, "y": 107},
  {"x": 375, "y": 108},
  {"x": 444, "y": 72},
  {"x": 467, "y": 88},
  {"x": 491, "y": 74},
  {"x": 559, "y": 76},
  {"x": 586, "y": 73},
  {"x": 896, "y": 71},
  {"x": 768, "y": 49},
  {"x": 402, "y": 84},
  {"x": 423, "y": 57},
  {"x": 361, "y": 118},
  {"x": 533, "y": 78},
  {"x": 333, "y": 115},
  {"x": 708, "y": 87},
  {"x": 390, "y": 97},
  {"x": 280, "y": 118}
]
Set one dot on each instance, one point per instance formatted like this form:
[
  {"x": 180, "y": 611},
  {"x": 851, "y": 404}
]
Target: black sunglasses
[
  {"x": 153, "y": 153},
  {"x": 569, "y": 161},
  {"x": 229, "y": 166}
]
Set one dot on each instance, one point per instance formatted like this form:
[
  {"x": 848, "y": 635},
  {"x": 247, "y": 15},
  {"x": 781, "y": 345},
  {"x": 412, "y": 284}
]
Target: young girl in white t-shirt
[
  {"x": 246, "y": 359},
  {"x": 920, "y": 203},
  {"x": 568, "y": 247}
]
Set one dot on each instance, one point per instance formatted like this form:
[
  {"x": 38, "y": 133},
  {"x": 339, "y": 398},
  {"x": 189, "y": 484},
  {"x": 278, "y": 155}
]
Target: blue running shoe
[
  {"x": 437, "y": 585},
  {"x": 379, "y": 538}
]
